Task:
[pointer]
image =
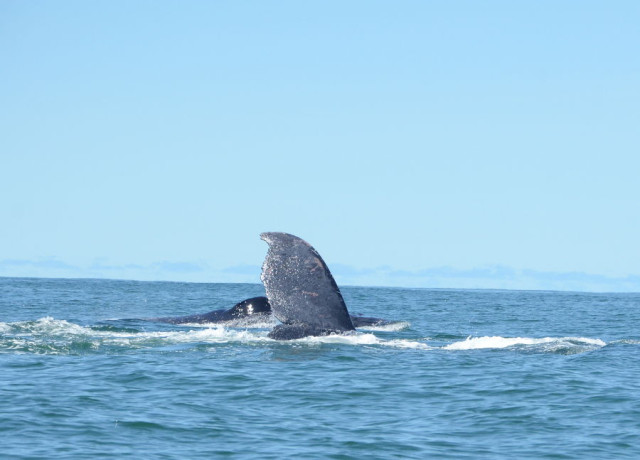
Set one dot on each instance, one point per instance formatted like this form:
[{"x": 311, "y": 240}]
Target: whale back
[
  {"x": 249, "y": 307},
  {"x": 252, "y": 308},
  {"x": 300, "y": 287}
]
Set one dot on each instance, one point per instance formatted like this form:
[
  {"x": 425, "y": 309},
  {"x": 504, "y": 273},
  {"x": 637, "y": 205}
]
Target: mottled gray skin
[
  {"x": 254, "y": 307},
  {"x": 301, "y": 290}
]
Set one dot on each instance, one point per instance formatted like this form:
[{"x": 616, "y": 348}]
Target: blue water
[{"x": 468, "y": 374}]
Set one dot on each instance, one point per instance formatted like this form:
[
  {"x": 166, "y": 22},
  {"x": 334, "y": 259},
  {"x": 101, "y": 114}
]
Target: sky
[{"x": 427, "y": 144}]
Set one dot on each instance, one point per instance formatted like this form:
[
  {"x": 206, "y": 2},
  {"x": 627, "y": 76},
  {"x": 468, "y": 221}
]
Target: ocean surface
[{"x": 466, "y": 374}]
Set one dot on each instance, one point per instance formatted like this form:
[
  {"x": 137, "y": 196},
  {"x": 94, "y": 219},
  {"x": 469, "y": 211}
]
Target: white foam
[
  {"x": 392, "y": 327},
  {"x": 218, "y": 334},
  {"x": 60, "y": 333},
  {"x": 359, "y": 338},
  {"x": 48, "y": 326},
  {"x": 496, "y": 342}
]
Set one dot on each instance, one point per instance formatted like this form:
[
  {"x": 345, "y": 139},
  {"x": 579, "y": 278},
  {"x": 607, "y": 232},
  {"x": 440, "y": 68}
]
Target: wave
[
  {"x": 360, "y": 338},
  {"x": 629, "y": 341},
  {"x": 391, "y": 327},
  {"x": 51, "y": 336},
  {"x": 563, "y": 345}
]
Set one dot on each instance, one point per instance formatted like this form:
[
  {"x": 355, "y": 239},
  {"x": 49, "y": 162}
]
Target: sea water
[{"x": 464, "y": 374}]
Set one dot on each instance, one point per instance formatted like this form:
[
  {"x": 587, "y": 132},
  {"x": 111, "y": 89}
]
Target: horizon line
[{"x": 344, "y": 285}]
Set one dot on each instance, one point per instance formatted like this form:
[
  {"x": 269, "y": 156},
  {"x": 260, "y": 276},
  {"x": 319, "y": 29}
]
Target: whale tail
[{"x": 301, "y": 290}]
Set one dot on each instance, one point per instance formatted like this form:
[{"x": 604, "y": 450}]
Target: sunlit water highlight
[{"x": 465, "y": 374}]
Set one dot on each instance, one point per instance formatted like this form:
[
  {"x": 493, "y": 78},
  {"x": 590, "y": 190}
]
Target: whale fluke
[{"x": 301, "y": 290}]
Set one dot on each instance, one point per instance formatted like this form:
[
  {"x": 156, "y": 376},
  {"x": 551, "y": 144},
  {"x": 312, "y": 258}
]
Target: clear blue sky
[{"x": 414, "y": 143}]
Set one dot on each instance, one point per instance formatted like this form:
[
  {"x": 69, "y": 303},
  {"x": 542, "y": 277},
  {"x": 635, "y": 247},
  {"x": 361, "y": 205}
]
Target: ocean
[{"x": 465, "y": 374}]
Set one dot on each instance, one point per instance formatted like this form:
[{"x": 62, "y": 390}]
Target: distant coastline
[{"x": 490, "y": 277}]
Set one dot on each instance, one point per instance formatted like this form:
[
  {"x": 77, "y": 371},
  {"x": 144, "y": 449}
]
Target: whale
[
  {"x": 254, "y": 310},
  {"x": 250, "y": 310},
  {"x": 301, "y": 294}
]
